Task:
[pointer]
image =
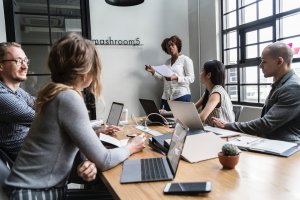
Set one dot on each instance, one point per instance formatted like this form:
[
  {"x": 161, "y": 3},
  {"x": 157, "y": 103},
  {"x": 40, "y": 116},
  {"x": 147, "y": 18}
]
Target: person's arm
[
  {"x": 199, "y": 103},
  {"x": 156, "y": 75},
  {"x": 80, "y": 131},
  {"x": 213, "y": 100},
  {"x": 15, "y": 110},
  {"x": 188, "y": 76},
  {"x": 283, "y": 111}
]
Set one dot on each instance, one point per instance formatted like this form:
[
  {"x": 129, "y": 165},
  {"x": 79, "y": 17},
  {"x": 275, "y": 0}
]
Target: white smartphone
[{"x": 187, "y": 188}]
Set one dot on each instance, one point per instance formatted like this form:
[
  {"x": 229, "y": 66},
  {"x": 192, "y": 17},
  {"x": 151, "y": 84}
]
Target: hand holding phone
[{"x": 188, "y": 188}]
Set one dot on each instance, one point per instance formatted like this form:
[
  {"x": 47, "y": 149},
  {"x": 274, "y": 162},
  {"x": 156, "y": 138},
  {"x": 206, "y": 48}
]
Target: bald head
[{"x": 280, "y": 49}]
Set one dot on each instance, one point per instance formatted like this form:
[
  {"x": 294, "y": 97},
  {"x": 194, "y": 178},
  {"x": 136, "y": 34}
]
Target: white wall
[
  {"x": 2, "y": 23},
  {"x": 124, "y": 77}
]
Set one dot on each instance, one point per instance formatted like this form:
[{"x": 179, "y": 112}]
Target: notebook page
[{"x": 275, "y": 146}]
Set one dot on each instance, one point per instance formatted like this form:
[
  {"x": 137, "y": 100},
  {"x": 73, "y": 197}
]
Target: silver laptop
[
  {"x": 157, "y": 169},
  {"x": 187, "y": 113},
  {"x": 115, "y": 113}
]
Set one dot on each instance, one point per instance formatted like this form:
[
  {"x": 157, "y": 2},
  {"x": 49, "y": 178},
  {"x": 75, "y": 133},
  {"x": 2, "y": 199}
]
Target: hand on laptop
[
  {"x": 218, "y": 122},
  {"x": 137, "y": 143},
  {"x": 108, "y": 130}
]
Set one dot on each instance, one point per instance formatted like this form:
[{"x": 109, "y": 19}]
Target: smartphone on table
[{"x": 187, "y": 187}]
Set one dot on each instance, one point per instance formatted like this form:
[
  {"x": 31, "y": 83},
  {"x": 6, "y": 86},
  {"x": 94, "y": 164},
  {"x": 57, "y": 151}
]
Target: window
[
  {"x": 247, "y": 27},
  {"x": 36, "y": 25}
]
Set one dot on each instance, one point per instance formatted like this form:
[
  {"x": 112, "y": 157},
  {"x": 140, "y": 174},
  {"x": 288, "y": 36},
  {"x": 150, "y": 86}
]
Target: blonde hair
[{"x": 70, "y": 58}]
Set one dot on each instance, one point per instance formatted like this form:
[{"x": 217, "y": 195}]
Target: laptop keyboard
[{"x": 153, "y": 169}]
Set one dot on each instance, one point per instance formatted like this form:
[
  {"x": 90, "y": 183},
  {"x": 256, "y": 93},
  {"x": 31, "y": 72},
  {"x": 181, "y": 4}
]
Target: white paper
[
  {"x": 221, "y": 132},
  {"x": 112, "y": 140},
  {"x": 163, "y": 70},
  {"x": 261, "y": 144}
]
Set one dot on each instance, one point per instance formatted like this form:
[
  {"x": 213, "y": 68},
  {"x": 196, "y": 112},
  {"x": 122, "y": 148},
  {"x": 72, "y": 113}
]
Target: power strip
[{"x": 148, "y": 130}]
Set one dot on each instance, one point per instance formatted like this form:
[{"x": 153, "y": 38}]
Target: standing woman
[
  {"x": 215, "y": 102},
  {"x": 62, "y": 126},
  {"x": 177, "y": 86}
]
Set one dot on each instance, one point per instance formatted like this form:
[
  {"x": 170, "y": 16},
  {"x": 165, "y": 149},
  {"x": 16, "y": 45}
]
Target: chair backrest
[
  {"x": 237, "y": 109},
  {"x": 249, "y": 113},
  {"x": 4, "y": 171}
]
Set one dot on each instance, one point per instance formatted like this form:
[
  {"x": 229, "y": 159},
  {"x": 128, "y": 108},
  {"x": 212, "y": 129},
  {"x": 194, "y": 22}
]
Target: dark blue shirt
[{"x": 16, "y": 115}]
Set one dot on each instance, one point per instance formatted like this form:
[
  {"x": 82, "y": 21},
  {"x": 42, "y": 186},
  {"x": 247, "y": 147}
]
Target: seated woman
[
  {"x": 215, "y": 102},
  {"x": 62, "y": 126}
]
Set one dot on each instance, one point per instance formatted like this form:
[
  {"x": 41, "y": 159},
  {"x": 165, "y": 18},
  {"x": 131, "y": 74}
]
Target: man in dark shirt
[{"x": 280, "y": 118}]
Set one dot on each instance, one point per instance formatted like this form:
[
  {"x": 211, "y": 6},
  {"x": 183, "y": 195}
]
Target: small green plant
[{"x": 230, "y": 150}]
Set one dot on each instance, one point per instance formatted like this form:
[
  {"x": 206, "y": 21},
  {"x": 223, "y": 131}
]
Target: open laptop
[
  {"x": 114, "y": 113},
  {"x": 157, "y": 169},
  {"x": 188, "y": 114},
  {"x": 153, "y": 113}
]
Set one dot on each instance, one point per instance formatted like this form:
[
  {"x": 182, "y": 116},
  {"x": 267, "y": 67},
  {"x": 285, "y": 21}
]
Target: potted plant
[{"x": 229, "y": 157}]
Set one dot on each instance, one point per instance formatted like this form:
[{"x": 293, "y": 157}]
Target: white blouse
[{"x": 184, "y": 70}]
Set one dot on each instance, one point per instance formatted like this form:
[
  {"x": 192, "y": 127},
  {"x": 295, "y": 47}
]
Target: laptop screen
[
  {"x": 150, "y": 107},
  {"x": 115, "y": 113},
  {"x": 176, "y": 146}
]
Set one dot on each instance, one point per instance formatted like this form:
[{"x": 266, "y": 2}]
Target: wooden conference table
[{"x": 257, "y": 176}]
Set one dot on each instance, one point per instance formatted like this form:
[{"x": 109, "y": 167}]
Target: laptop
[
  {"x": 157, "y": 169},
  {"x": 153, "y": 113},
  {"x": 187, "y": 113},
  {"x": 114, "y": 113}
]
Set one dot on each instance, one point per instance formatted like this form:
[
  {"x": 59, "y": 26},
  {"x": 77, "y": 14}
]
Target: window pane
[
  {"x": 266, "y": 34},
  {"x": 39, "y": 6},
  {"x": 230, "y": 57},
  {"x": 264, "y": 92},
  {"x": 232, "y": 92},
  {"x": 67, "y": 25},
  {"x": 230, "y": 20},
  {"x": 231, "y": 75},
  {"x": 265, "y": 8},
  {"x": 246, "y": 2},
  {"x": 289, "y": 5},
  {"x": 263, "y": 79},
  {"x": 65, "y": 7},
  {"x": 248, "y": 74},
  {"x": 288, "y": 25},
  {"x": 251, "y": 51},
  {"x": 34, "y": 83},
  {"x": 249, "y": 93},
  {"x": 251, "y": 37},
  {"x": 296, "y": 67},
  {"x": 248, "y": 14},
  {"x": 295, "y": 44},
  {"x": 38, "y": 64},
  {"x": 230, "y": 40},
  {"x": 229, "y": 5},
  {"x": 32, "y": 28},
  {"x": 262, "y": 46}
]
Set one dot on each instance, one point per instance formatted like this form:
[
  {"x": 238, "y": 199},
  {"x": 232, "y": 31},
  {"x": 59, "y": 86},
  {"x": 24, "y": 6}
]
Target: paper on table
[
  {"x": 163, "y": 70},
  {"x": 113, "y": 141}
]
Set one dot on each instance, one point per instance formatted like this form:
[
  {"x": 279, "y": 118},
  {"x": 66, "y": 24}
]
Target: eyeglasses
[{"x": 19, "y": 61}]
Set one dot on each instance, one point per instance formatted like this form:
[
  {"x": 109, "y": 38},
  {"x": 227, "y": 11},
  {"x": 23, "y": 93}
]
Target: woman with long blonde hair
[{"x": 62, "y": 126}]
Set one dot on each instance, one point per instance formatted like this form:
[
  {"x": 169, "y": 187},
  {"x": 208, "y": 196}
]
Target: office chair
[
  {"x": 237, "y": 109},
  {"x": 5, "y": 165}
]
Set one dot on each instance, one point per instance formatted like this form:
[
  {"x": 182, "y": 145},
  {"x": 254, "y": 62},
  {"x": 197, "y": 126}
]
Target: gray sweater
[
  {"x": 281, "y": 114},
  {"x": 47, "y": 155}
]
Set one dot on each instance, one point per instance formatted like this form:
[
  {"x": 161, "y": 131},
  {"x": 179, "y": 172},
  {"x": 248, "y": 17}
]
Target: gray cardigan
[
  {"x": 281, "y": 115},
  {"x": 47, "y": 155}
]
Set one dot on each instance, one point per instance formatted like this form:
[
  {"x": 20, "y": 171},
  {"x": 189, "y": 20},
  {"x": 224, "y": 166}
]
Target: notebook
[
  {"x": 115, "y": 113},
  {"x": 152, "y": 112},
  {"x": 157, "y": 169},
  {"x": 274, "y": 147},
  {"x": 188, "y": 114}
]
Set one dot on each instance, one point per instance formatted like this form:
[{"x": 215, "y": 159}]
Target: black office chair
[{"x": 237, "y": 109}]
